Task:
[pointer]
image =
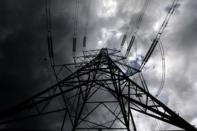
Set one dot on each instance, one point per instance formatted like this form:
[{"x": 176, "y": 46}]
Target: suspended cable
[
  {"x": 167, "y": 18},
  {"x": 159, "y": 33},
  {"x": 84, "y": 41},
  {"x": 74, "y": 44},
  {"x": 163, "y": 77},
  {"x": 123, "y": 40},
  {"x": 163, "y": 69},
  {"x": 130, "y": 45},
  {"x": 149, "y": 53},
  {"x": 75, "y": 27},
  {"x": 76, "y": 17},
  {"x": 50, "y": 37},
  {"x": 141, "y": 15},
  {"x": 86, "y": 26},
  {"x": 49, "y": 32},
  {"x": 158, "y": 40},
  {"x": 137, "y": 26}
]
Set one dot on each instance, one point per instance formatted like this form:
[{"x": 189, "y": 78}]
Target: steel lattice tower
[{"x": 97, "y": 96}]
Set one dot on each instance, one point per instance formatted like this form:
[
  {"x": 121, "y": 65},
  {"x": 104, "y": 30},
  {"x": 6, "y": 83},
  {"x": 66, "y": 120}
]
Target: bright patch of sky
[
  {"x": 194, "y": 122},
  {"x": 105, "y": 35},
  {"x": 157, "y": 26},
  {"x": 108, "y": 8}
]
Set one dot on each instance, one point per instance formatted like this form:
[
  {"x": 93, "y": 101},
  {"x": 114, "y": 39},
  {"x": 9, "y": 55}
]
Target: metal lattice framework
[{"x": 99, "y": 95}]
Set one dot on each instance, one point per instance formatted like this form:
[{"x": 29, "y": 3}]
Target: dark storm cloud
[
  {"x": 24, "y": 63},
  {"x": 23, "y": 42},
  {"x": 22, "y": 51},
  {"x": 21, "y": 29}
]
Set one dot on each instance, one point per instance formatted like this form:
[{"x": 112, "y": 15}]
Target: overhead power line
[
  {"x": 137, "y": 26},
  {"x": 159, "y": 33}
]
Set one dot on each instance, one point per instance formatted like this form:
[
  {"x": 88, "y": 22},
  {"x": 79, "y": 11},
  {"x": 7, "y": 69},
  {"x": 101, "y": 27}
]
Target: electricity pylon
[{"x": 99, "y": 95}]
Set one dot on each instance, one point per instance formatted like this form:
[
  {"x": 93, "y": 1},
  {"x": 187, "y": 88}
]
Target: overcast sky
[{"x": 24, "y": 61}]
